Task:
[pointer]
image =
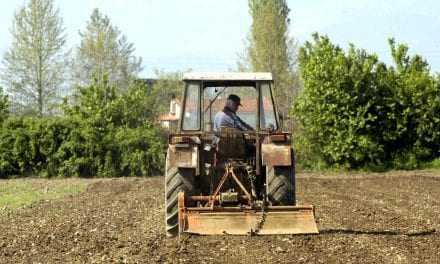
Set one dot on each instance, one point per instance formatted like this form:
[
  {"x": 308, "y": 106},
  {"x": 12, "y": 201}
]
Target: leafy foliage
[
  {"x": 417, "y": 108},
  {"x": 270, "y": 49},
  {"x": 167, "y": 86},
  {"x": 105, "y": 118},
  {"x": 355, "y": 111},
  {"x": 104, "y": 134},
  {"x": 104, "y": 51},
  {"x": 4, "y": 105},
  {"x": 34, "y": 65}
]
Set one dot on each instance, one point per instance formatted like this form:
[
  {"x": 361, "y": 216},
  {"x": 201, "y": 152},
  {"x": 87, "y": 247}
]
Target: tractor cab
[
  {"x": 226, "y": 179},
  {"x": 206, "y": 95}
]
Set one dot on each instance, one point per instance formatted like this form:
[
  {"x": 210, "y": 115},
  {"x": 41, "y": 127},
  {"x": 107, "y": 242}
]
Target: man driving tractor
[{"x": 228, "y": 116}]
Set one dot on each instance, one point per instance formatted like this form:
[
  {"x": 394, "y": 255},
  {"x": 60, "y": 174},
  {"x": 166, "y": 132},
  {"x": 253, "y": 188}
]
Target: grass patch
[{"x": 17, "y": 193}]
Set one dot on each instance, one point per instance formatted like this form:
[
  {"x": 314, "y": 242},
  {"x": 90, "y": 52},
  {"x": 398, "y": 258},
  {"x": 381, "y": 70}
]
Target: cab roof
[{"x": 227, "y": 76}]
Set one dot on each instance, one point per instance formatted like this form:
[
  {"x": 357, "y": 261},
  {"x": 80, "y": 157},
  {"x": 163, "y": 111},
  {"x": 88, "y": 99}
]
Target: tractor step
[{"x": 272, "y": 220}]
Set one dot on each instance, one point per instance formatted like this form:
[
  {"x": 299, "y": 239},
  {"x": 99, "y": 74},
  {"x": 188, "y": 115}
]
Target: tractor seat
[{"x": 231, "y": 144}]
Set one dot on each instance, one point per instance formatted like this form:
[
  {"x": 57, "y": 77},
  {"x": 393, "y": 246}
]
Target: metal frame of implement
[{"x": 250, "y": 219}]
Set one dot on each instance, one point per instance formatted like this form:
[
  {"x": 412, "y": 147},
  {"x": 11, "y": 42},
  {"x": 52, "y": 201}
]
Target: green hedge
[
  {"x": 102, "y": 134},
  {"x": 59, "y": 147},
  {"x": 356, "y": 111}
]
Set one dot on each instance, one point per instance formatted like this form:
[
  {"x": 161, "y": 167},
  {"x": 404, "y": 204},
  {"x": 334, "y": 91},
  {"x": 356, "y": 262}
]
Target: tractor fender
[
  {"x": 276, "y": 154},
  {"x": 183, "y": 157}
]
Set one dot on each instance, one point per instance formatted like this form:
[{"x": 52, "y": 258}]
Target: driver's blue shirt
[{"x": 231, "y": 120}]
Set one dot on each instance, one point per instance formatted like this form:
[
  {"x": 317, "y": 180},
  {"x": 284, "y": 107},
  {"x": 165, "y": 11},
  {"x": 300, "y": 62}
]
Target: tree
[
  {"x": 271, "y": 49},
  {"x": 4, "y": 106},
  {"x": 167, "y": 86},
  {"x": 113, "y": 135},
  {"x": 101, "y": 105},
  {"x": 416, "y": 106},
  {"x": 356, "y": 111},
  {"x": 339, "y": 107},
  {"x": 104, "y": 51},
  {"x": 34, "y": 65}
]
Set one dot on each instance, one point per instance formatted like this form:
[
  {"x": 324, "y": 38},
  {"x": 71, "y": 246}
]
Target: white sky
[{"x": 208, "y": 34}]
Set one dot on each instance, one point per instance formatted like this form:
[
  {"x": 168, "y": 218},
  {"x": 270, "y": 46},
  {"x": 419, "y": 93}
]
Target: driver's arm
[{"x": 244, "y": 126}]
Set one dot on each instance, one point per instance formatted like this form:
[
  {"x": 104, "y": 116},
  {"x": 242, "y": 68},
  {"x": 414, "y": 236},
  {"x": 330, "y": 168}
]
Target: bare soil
[{"x": 363, "y": 218}]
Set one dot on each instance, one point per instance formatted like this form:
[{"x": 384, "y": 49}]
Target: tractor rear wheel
[
  {"x": 280, "y": 182},
  {"x": 176, "y": 180}
]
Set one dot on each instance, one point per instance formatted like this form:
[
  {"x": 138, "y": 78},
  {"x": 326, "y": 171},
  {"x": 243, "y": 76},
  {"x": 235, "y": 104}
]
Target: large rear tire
[
  {"x": 280, "y": 185},
  {"x": 176, "y": 180}
]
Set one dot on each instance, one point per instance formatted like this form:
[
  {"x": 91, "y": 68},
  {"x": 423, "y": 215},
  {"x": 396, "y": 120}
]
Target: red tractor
[{"x": 229, "y": 181}]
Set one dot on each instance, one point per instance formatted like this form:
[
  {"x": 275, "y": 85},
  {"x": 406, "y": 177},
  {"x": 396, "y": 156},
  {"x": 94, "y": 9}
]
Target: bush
[
  {"x": 356, "y": 112},
  {"x": 103, "y": 134},
  {"x": 28, "y": 145},
  {"x": 337, "y": 107},
  {"x": 140, "y": 150}
]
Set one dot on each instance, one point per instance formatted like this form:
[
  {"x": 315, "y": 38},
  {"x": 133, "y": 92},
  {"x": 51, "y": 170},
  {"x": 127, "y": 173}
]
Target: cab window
[
  {"x": 215, "y": 99},
  {"x": 191, "y": 115},
  {"x": 267, "y": 115}
]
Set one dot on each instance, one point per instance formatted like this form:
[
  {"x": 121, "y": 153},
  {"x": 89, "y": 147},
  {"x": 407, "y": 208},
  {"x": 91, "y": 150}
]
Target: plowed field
[{"x": 363, "y": 218}]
